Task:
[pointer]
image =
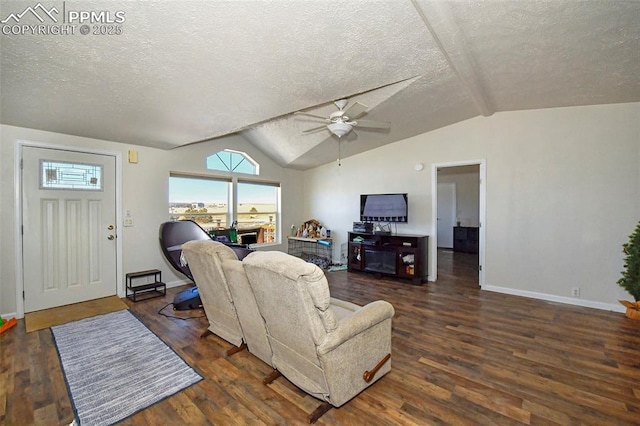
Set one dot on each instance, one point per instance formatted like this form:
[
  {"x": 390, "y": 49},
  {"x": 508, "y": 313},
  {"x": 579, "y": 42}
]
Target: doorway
[
  {"x": 446, "y": 219},
  {"x": 459, "y": 199},
  {"x": 68, "y": 211}
]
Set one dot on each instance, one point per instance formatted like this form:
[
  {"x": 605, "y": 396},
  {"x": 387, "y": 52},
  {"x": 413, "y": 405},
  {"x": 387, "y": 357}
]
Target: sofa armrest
[{"x": 361, "y": 320}]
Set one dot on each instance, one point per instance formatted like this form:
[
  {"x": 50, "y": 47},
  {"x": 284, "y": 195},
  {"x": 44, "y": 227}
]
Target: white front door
[
  {"x": 69, "y": 219},
  {"x": 446, "y": 213}
]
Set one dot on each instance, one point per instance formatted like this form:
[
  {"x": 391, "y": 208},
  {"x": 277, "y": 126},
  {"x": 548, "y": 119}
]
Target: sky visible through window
[
  {"x": 251, "y": 193},
  {"x": 231, "y": 161},
  {"x": 186, "y": 190}
]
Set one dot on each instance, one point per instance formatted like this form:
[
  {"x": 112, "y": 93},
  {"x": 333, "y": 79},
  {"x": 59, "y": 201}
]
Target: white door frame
[
  {"x": 18, "y": 213},
  {"x": 433, "y": 242}
]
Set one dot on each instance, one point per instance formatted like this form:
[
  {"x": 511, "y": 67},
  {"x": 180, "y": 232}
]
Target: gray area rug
[{"x": 115, "y": 366}]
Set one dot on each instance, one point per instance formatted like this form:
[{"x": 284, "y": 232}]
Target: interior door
[
  {"x": 69, "y": 214},
  {"x": 446, "y": 213}
]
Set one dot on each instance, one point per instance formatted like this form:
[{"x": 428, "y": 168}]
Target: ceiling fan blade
[
  {"x": 355, "y": 110},
  {"x": 314, "y": 129},
  {"x": 311, "y": 115},
  {"x": 372, "y": 124}
]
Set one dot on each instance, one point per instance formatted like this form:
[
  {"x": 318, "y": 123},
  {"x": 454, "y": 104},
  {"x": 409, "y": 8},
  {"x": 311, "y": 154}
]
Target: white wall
[
  {"x": 563, "y": 194},
  {"x": 562, "y": 187},
  {"x": 144, "y": 193}
]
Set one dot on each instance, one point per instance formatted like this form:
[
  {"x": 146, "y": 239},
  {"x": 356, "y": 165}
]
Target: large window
[
  {"x": 203, "y": 200},
  {"x": 220, "y": 203},
  {"x": 257, "y": 209}
]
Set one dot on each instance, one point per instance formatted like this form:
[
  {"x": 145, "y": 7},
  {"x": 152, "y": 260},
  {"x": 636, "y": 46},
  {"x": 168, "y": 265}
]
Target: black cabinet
[
  {"x": 401, "y": 256},
  {"x": 465, "y": 239}
]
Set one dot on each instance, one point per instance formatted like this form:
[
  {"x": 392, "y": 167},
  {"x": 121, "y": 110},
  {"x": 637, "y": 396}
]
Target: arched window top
[{"x": 229, "y": 160}]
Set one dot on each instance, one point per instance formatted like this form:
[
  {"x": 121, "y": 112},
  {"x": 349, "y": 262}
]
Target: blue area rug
[{"x": 115, "y": 366}]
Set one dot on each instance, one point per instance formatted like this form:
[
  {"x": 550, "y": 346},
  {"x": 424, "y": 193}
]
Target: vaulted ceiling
[{"x": 183, "y": 72}]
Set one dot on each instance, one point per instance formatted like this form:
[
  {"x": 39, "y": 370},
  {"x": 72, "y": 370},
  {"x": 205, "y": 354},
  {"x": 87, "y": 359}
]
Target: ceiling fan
[{"x": 343, "y": 121}]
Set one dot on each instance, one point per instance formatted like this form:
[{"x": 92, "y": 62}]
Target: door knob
[
  {"x": 110, "y": 227},
  {"x": 111, "y": 237}
]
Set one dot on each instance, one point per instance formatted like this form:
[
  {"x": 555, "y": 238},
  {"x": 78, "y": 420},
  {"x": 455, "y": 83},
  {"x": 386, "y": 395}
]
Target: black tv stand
[{"x": 397, "y": 255}]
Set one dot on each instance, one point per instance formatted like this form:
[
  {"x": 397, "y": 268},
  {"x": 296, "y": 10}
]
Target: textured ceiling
[{"x": 183, "y": 72}]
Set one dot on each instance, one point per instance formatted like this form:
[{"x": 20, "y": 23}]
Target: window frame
[
  {"x": 229, "y": 168},
  {"x": 223, "y": 179},
  {"x": 278, "y": 212}
]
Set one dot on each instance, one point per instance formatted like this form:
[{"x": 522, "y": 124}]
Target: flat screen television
[{"x": 384, "y": 208}]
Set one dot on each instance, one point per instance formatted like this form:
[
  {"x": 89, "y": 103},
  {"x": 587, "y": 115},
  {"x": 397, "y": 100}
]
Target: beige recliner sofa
[
  {"x": 227, "y": 298},
  {"x": 329, "y": 348}
]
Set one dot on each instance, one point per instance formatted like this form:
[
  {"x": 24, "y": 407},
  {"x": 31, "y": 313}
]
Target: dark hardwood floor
[{"x": 460, "y": 356}]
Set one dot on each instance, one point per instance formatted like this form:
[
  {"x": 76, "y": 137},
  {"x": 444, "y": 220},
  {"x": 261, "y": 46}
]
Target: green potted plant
[{"x": 630, "y": 280}]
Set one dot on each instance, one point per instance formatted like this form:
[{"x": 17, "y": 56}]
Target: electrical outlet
[
  {"x": 575, "y": 291},
  {"x": 128, "y": 221}
]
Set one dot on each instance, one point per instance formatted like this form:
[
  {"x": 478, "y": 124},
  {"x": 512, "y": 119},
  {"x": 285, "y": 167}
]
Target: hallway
[{"x": 456, "y": 268}]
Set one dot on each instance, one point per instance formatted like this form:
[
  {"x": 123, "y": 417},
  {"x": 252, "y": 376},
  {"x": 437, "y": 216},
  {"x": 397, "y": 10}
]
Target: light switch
[{"x": 128, "y": 219}]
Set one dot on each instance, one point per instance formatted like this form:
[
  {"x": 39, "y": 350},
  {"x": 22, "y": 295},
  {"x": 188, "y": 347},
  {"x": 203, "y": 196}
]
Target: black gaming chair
[{"x": 172, "y": 235}]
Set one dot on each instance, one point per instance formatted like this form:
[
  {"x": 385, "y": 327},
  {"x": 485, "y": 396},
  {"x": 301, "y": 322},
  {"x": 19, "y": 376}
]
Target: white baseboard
[
  {"x": 554, "y": 298},
  {"x": 177, "y": 283},
  {"x": 9, "y": 315}
]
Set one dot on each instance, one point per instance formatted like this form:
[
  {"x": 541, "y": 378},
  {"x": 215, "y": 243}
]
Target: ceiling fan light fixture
[
  {"x": 341, "y": 103},
  {"x": 343, "y": 121},
  {"x": 339, "y": 128}
]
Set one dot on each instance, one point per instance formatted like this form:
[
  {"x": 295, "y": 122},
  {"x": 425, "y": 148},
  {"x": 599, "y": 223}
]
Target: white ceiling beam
[{"x": 448, "y": 37}]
